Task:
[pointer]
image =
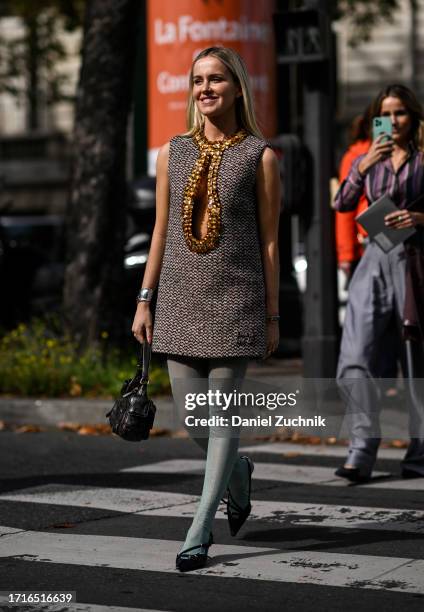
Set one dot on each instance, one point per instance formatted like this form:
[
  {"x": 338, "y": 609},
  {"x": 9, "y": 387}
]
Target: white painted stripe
[
  {"x": 81, "y": 607},
  {"x": 315, "y": 450},
  {"x": 115, "y": 499},
  {"x": 87, "y": 607},
  {"x": 263, "y": 471},
  {"x": 318, "y": 515},
  {"x": 306, "y": 567},
  {"x": 9, "y": 530},
  {"x": 171, "y": 466},
  {"x": 157, "y": 503},
  {"x": 280, "y": 472}
]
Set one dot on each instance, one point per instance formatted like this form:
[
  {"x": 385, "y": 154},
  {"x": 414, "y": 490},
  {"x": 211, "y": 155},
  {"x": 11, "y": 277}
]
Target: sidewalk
[
  {"x": 52, "y": 411},
  {"x": 55, "y": 412}
]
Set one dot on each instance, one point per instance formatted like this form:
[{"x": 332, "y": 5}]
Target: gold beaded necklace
[{"x": 208, "y": 161}]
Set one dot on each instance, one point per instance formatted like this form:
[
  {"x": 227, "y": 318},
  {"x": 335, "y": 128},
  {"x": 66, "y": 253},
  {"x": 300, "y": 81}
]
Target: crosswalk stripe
[
  {"x": 323, "y": 515},
  {"x": 114, "y": 499},
  {"x": 254, "y": 563},
  {"x": 80, "y": 607},
  {"x": 300, "y": 474},
  {"x": 9, "y": 530},
  {"x": 158, "y": 503},
  {"x": 316, "y": 450},
  {"x": 87, "y": 607}
]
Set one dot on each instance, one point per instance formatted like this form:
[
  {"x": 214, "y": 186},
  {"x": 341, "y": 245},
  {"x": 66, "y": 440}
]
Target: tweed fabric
[{"x": 213, "y": 304}]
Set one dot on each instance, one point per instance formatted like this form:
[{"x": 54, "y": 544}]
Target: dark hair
[
  {"x": 409, "y": 99},
  {"x": 360, "y": 127}
]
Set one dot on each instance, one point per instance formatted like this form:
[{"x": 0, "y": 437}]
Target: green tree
[
  {"x": 365, "y": 15},
  {"x": 28, "y": 66}
]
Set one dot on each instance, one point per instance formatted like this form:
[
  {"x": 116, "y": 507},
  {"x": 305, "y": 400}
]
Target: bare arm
[
  {"x": 351, "y": 189},
  {"x": 269, "y": 198},
  {"x": 142, "y": 325}
]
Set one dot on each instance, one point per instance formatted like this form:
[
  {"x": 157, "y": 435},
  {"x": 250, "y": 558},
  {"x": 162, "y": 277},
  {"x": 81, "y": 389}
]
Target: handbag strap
[{"x": 145, "y": 353}]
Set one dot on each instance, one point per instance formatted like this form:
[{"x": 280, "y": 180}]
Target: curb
[{"x": 51, "y": 412}]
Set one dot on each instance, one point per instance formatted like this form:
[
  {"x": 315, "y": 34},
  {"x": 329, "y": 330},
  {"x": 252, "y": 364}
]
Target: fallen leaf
[
  {"x": 158, "y": 431},
  {"x": 68, "y": 426},
  {"x": 331, "y": 440},
  {"x": 88, "y": 430},
  {"x": 85, "y": 429},
  {"x": 180, "y": 433},
  {"x": 61, "y": 526},
  {"x": 399, "y": 444},
  {"x": 102, "y": 428},
  {"x": 29, "y": 429},
  {"x": 302, "y": 439}
]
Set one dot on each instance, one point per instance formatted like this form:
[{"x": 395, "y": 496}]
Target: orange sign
[{"x": 177, "y": 30}]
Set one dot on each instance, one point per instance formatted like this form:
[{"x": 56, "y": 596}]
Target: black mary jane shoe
[
  {"x": 236, "y": 515},
  {"x": 186, "y": 562},
  {"x": 352, "y": 474}
]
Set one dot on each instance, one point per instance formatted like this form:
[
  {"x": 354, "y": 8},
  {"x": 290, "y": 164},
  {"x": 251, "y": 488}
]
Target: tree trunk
[
  {"x": 33, "y": 70},
  {"x": 97, "y": 205}
]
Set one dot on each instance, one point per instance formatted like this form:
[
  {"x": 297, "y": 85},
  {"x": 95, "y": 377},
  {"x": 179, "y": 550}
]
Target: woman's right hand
[
  {"x": 381, "y": 148},
  {"x": 142, "y": 326}
]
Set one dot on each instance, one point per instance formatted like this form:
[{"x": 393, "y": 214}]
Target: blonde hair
[{"x": 245, "y": 112}]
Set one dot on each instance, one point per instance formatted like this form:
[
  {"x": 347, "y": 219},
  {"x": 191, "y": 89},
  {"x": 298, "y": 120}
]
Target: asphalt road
[{"x": 105, "y": 518}]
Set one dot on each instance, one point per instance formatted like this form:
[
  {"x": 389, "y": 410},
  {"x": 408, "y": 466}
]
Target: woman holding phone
[
  {"x": 215, "y": 249},
  {"x": 385, "y": 286}
]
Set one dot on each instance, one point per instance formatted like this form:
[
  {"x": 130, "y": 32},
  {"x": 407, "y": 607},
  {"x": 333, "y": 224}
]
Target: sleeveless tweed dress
[{"x": 213, "y": 304}]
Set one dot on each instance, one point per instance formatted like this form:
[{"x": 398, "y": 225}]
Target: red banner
[{"x": 177, "y": 31}]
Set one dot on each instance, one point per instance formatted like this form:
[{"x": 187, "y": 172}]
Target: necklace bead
[{"x": 208, "y": 163}]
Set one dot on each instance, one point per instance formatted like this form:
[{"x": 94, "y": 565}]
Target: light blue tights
[{"x": 224, "y": 467}]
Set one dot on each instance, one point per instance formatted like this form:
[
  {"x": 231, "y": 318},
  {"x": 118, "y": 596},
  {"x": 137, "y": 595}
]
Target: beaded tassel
[{"x": 209, "y": 160}]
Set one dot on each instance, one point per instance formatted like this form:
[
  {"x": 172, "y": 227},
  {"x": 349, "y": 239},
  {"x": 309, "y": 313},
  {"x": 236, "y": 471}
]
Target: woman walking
[
  {"x": 386, "y": 285},
  {"x": 214, "y": 252}
]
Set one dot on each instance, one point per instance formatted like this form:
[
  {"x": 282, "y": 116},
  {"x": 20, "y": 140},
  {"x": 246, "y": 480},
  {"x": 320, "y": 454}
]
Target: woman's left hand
[
  {"x": 403, "y": 219},
  {"x": 272, "y": 337}
]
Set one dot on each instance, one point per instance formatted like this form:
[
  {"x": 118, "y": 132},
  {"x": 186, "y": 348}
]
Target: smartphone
[{"x": 382, "y": 125}]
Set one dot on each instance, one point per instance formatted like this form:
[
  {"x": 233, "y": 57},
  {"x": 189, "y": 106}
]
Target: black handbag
[{"x": 132, "y": 415}]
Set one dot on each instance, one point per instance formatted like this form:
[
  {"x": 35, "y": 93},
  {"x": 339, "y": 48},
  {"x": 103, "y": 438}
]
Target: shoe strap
[{"x": 183, "y": 552}]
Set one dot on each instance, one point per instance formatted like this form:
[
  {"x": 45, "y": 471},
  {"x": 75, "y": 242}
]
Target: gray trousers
[{"x": 376, "y": 300}]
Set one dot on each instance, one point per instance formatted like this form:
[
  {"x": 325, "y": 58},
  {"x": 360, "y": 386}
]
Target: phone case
[{"x": 381, "y": 125}]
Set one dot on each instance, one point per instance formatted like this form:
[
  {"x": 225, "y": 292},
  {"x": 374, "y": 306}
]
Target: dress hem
[{"x": 208, "y": 355}]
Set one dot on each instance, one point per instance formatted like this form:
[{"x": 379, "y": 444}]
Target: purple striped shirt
[{"x": 403, "y": 186}]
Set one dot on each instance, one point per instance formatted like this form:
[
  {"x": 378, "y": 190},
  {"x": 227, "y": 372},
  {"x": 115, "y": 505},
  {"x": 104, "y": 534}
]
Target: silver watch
[{"x": 144, "y": 295}]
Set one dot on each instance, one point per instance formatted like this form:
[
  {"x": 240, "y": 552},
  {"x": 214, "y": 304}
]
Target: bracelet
[
  {"x": 144, "y": 295},
  {"x": 273, "y": 317}
]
